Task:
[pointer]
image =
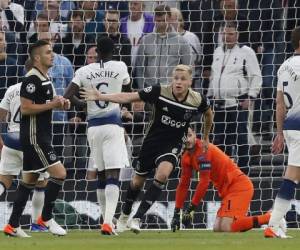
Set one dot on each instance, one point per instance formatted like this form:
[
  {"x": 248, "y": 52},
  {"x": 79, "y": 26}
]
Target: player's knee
[
  {"x": 287, "y": 189},
  {"x": 91, "y": 175},
  {"x": 137, "y": 182},
  {"x": 225, "y": 226}
]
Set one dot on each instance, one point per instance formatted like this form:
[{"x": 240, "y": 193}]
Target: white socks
[
  {"x": 111, "y": 201},
  {"x": 37, "y": 204},
  {"x": 2, "y": 189},
  {"x": 280, "y": 208},
  {"x": 101, "y": 201}
]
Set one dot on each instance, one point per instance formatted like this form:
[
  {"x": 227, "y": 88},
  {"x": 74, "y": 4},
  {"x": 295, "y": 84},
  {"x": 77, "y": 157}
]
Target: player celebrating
[
  {"x": 288, "y": 129},
  {"x": 37, "y": 102},
  {"x": 11, "y": 154},
  {"x": 173, "y": 108},
  {"x": 234, "y": 187},
  {"x": 105, "y": 131}
]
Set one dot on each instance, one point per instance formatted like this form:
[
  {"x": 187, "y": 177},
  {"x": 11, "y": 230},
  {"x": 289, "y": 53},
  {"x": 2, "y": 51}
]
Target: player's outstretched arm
[{"x": 92, "y": 94}]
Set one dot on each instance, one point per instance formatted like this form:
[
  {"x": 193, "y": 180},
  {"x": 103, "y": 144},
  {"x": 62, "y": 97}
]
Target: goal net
[{"x": 265, "y": 26}]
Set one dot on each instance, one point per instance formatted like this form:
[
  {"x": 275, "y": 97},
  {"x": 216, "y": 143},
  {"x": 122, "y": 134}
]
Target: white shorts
[
  {"x": 108, "y": 148},
  {"x": 292, "y": 139},
  {"x": 11, "y": 163}
]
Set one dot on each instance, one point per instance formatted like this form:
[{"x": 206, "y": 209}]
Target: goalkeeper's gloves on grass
[
  {"x": 175, "y": 224},
  {"x": 188, "y": 215}
]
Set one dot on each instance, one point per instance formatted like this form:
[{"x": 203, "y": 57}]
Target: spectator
[
  {"x": 266, "y": 16},
  {"x": 93, "y": 17},
  {"x": 178, "y": 25},
  {"x": 159, "y": 52},
  {"x": 137, "y": 24},
  {"x": 9, "y": 71},
  {"x": 122, "y": 47},
  {"x": 58, "y": 29},
  {"x": 65, "y": 7},
  {"x": 91, "y": 55},
  {"x": 41, "y": 24},
  {"x": 12, "y": 16},
  {"x": 74, "y": 45},
  {"x": 235, "y": 82}
]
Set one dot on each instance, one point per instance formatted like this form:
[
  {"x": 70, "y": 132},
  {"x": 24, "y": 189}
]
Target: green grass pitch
[{"x": 151, "y": 240}]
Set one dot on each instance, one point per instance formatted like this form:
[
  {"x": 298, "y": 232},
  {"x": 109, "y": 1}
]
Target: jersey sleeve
[
  {"x": 202, "y": 187},
  {"x": 77, "y": 78},
  {"x": 30, "y": 87},
  {"x": 5, "y": 102},
  {"x": 150, "y": 94},
  {"x": 204, "y": 105},
  {"x": 125, "y": 76},
  {"x": 283, "y": 76}
]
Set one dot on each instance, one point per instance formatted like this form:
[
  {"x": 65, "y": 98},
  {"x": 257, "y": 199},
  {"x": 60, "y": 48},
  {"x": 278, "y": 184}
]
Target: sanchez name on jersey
[{"x": 107, "y": 77}]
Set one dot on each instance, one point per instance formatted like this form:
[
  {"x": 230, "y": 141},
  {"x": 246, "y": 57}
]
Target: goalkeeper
[{"x": 234, "y": 188}]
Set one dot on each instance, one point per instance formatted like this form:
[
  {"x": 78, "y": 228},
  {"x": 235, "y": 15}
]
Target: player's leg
[
  {"x": 22, "y": 194},
  {"x": 234, "y": 208},
  {"x": 287, "y": 189},
  {"x": 109, "y": 139},
  {"x": 133, "y": 191},
  {"x": 5, "y": 183},
  {"x": 165, "y": 167},
  {"x": 37, "y": 201},
  {"x": 10, "y": 166},
  {"x": 57, "y": 174},
  {"x": 282, "y": 202}
]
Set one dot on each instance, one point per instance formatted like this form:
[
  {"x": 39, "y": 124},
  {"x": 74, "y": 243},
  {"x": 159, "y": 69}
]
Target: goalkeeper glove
[
  {"x": 175, "y": 224},
  {"x": 188, "y": 215}
]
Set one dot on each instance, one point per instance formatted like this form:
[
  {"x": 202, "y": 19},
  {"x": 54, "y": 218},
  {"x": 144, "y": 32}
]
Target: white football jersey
[
  {"x": 11, "y": 102},
  {"x": 107, "y": 77},
  {"x": 289, "y": 84}
]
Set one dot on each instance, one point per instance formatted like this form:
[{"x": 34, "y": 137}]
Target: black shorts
[
  {"x": 37, "y": 158},
  {"x": 151, "y": 156}
]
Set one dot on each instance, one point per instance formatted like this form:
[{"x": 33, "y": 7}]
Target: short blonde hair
[{"x": 183, "y": 67}]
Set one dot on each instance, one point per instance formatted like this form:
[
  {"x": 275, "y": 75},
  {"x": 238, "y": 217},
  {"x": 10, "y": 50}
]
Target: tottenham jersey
[
  {"x": 107, "y": 77},
  {"x": 289, "y": 84},
  {"x": 11, "y": 103}
]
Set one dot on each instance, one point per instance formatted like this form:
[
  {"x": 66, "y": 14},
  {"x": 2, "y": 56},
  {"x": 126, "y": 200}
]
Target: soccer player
[
  {"x": 37, "y": 101},
  {"x": 288, "y": 129},
  {"x": 234, "y": 188},
  {"x": 11, "y": 154},
  {"x": 105, "y": 130},
  {"x": 173, "y": 107}
]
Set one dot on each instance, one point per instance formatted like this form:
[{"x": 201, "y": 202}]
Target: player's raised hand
[
  {"x": 90, "y": 94},
  {"x": 278, "y": 144}
]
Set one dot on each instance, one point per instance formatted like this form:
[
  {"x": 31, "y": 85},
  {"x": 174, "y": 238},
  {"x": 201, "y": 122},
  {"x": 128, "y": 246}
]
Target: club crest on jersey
[
  {"x": 30, "y": 88},
  {"x": 187, "y": 116},
  {"x": 52, "y": 156},
  {"x": 148, "y": 89}
]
